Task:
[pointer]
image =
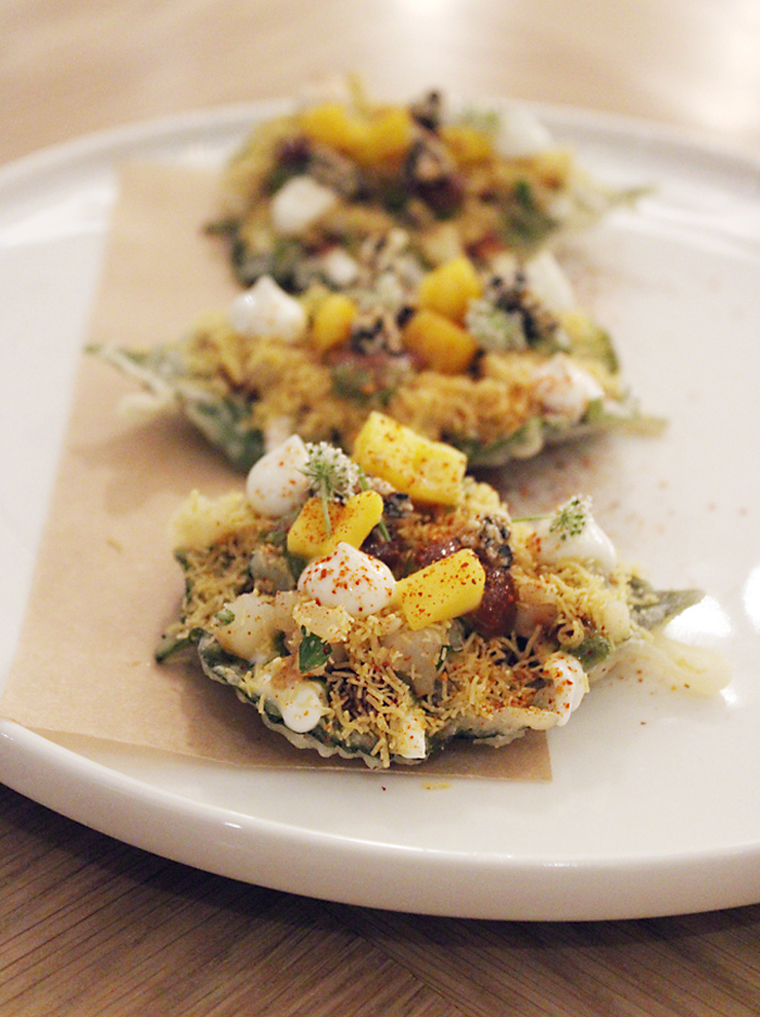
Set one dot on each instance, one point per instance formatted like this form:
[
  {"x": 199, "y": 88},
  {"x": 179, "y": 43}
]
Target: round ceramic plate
[{"x": 653, "y": 805}]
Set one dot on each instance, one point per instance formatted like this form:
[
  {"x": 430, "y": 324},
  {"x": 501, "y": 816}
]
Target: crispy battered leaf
[
  {"x": 172, "y": 646},
  {"x": 222, "y": 667},
  {"x": 537, "y": 434},
  {"x": 225, "y": 421},
  {"x": 592, "y": 650},
  {"x": 653, "y": 608},
  {"x": 650, "y": 609},
  {"x": 525, "y": 225}
]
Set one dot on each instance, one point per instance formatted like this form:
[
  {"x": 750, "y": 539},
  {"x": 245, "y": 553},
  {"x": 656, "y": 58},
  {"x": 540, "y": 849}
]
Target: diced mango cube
[
  {"x": 448, "y": 588},
  {"x": 389, "y": 137},
  {"x": 332, "y": 322},
  {"x": 440, "y": 343},
  {"x": 467, "y": 144},
  {"x": 428, "y": 471},
  {"x": 350, "y": 522},
  {"x": 331, "y": 124},
  {"x": 449, "y": 288}
]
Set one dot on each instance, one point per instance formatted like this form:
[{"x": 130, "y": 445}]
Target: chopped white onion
[
  {"x": 569, "y": 682},
  {"x": 299, "y": 204},
  {"x": 339, "y": 267},
  {"x": 564, "y": 389}
]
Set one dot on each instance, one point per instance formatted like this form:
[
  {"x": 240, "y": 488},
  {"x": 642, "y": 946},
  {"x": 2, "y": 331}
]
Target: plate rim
[{"x": 644, "y": 886}]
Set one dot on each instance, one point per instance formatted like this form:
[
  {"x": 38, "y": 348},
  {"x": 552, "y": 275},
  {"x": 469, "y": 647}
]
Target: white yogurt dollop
[
  {"x": 572, "y": 533},
  {"x": 275, "y": 484},
  {"x": 267, "y": 311},
  {"x": 349, "y": 578}
]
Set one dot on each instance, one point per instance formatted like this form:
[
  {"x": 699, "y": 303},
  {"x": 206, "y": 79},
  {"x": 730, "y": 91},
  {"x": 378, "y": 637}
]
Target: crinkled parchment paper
[{"x": 106, "y": 583}]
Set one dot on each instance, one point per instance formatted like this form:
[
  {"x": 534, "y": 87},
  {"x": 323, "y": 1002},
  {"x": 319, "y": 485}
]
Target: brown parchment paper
[{"x": 106, "y": 583}]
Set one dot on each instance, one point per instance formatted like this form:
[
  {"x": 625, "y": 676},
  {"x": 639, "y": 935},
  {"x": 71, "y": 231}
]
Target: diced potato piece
[
  {"x": 440, "y": 343},
  {"x": 448, "y": 588},
  {"x": 440, "y": 242},
  {"x": 200, "y": 521},
  {"x": 467, "y": 144},
  {"x": 329, "y": 623},
  {"x": 332, "y": 322},
  {"x": 428, "y": 471},
  {"x": 250, "y": 628},
  {"x": 449, "y": 288},
  {"x": 308, "y": 537}
]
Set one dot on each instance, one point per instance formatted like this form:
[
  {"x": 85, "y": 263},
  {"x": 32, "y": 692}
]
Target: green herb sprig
[
  {"x": 334, "y": 477},
  {"x": 570, "y": 518}
]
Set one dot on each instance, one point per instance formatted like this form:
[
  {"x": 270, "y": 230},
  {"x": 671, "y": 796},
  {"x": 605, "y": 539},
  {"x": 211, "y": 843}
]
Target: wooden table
[{"x": 90, "y": 926}]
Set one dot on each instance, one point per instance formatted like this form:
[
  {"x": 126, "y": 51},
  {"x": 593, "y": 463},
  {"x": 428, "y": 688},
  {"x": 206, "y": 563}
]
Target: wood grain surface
[{"x": 90, "y": 926}]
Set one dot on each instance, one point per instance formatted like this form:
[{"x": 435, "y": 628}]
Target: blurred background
[{"x": 72, "y": 66}]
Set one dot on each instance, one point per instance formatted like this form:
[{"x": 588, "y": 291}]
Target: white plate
[{"x": 654, "y": 804}]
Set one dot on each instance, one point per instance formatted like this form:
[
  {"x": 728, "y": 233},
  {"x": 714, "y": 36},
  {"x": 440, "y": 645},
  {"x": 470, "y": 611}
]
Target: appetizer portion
[
  {"x": 395, "y": 259},
  {"x": 311, "y": 193},
  {"x": 498, "y": 365},
  {"x": 381, "y": 606}
]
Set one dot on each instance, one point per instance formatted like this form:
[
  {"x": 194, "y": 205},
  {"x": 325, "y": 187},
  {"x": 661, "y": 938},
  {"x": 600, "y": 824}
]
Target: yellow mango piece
[
  {"x": 350, "y": 522},
  {"x": 385, "y": 136},
  {"x": 440, "y": 343},
  {"x": 388, "y": 137},
  {"x": 467, "y": 144},
  {"x": 428, "y": 471},
  {"x": 448, "y": 588},
  {"x": 332, "y": 322},
  {"x": 449, "y": 288},
  {"x": 331, "y": 124}
]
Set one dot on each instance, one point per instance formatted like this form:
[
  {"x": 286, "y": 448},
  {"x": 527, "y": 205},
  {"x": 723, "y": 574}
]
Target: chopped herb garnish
[
  {"x": 443, "y": 656},
  {"x": 313, "y": 652},
  {"x": 280, "y": 645},
  {"x": 225, "y": 616},
  {"x": 570, "y": 518},
  {"x": 592, "y": 650}
]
